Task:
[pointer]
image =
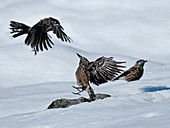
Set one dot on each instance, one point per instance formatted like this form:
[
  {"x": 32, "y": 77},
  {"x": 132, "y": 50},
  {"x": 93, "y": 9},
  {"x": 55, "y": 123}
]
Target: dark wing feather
[
  {"x": 123, "y": 74},
  {"x": 58, "y": 30},
  {"x": 130, "y": 72},
  {"x": 38, "y": 38},
  {"x": 103, "y": 70},
  {"x": 135, "y": 74}
]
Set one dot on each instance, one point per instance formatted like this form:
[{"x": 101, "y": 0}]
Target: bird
[
  {"x": 37, "y": 35},
  {"x": 133, "y": 73},
  {"x": 97, "y": 72}
]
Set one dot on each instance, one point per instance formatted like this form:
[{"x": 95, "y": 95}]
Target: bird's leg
[
  {"x": 35, "y": 52},
  {"x": 78, "y": 88},
  {"x": 79, "y": 91},
  {"x": 90, "y": 92}
]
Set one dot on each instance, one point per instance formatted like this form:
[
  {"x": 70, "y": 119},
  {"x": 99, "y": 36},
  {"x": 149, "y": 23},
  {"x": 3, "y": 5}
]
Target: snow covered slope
[{"x": 127, "y": 30}]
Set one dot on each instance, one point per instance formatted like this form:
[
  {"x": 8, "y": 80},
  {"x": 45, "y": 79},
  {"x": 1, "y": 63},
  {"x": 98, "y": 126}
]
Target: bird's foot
[{"x": 80, "y": 89}]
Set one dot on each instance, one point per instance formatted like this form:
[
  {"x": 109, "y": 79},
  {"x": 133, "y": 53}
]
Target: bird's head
[
  {"x": 83, "y": 60},
  {"x": 140, "y": 62},
  {"x": 55, "y": 22}
]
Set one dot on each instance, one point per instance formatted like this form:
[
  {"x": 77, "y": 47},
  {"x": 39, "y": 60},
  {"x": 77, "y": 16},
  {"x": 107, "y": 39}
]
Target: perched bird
[
  {"x": 133, "y": 73},
  {"x": 98, "y": 72},
  {"x": 37, "y": 36}
]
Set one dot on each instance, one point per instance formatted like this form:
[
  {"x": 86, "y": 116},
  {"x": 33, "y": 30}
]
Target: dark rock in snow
[{"x": 64, "y": 103}]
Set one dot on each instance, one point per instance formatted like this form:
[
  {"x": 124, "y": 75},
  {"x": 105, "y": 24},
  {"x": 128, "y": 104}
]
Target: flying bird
[
  {"x": 97, "y": 72},
  {"x": 37, "y": 35},
  {"x": 133, "y": 73}
]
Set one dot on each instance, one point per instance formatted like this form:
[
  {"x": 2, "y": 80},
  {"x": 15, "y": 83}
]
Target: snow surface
[{"x": 126, "y": 29}]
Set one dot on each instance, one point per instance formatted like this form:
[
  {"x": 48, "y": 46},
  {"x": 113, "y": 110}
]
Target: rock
[
  {"x": 101, "y": 96},
  {"x": 64, "y": 103}
]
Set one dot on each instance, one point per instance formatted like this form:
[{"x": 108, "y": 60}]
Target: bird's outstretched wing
[
  {"x": 38, "y": 38},
  {"x": 58, "y": 30},
  {"x": 104, "y": 69}
]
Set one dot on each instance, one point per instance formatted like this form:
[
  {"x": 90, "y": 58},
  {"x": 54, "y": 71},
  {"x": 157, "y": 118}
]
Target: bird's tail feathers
[
  {"x": 18, "y": 28},
  {"x": 122, "y": 76}
]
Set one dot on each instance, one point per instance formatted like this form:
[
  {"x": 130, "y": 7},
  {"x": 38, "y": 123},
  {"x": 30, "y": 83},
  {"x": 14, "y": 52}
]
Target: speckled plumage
[
  {"x": 133, "y": 73},
  {"x": 97, "y": 72}
]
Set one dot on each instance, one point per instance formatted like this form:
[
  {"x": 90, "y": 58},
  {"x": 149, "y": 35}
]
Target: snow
[{"x": 126, "y": 30}]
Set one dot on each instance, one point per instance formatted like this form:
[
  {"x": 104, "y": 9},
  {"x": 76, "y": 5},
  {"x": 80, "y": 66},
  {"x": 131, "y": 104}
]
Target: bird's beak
[
  {"x": 79, "y": 55},
  {"x": 145, "y": 61}
]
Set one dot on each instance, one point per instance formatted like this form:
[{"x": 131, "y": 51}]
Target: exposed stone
[{"x": 64, "y": 103}]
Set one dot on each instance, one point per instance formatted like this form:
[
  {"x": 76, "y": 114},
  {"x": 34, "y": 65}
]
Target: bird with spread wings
[
  {"x": 37, "y": 36},
  {"x": 97, "y": 72}
]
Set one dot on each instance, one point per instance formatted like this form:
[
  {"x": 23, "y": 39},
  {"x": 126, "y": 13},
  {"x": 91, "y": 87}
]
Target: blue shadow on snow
[{"x": 154, "y": 89}]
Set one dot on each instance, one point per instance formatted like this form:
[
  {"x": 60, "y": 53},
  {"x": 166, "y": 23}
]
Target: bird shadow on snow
[{"x": 154, "y": 89}]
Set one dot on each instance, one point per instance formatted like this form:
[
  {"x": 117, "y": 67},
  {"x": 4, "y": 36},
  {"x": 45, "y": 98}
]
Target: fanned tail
[{"x": 18, "y": 28}]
